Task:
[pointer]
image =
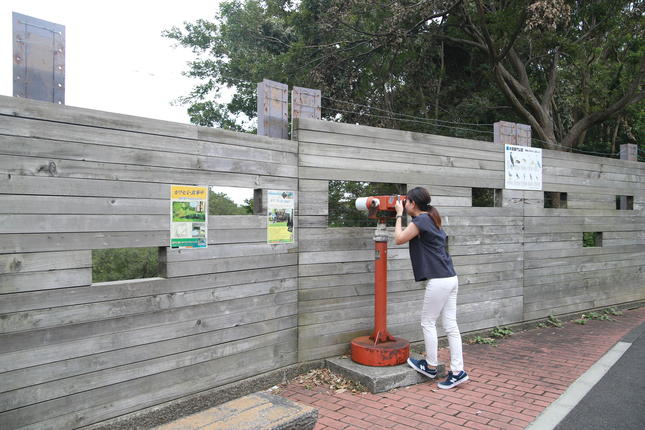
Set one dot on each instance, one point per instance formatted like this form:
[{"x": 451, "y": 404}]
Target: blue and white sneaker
[
  {"x": 453, "y": 380},
  {"x": 422, "y": 367}
]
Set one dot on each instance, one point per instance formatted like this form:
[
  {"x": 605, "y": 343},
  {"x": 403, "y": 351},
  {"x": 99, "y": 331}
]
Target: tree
[
  {"x": 342, "y": 198},
  {"x": 124, "y": 263},
  {"x": 221, "y": 204},
  {"x": 565, "y": 66},
  {"x": 572, "y": 69}
]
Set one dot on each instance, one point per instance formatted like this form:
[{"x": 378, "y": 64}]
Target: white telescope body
[{"x": 361, "y": 203}]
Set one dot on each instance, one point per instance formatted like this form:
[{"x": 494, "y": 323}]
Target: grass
[
  {"x": 501, "y": 332},
  {"x": 484, "y": 340}
]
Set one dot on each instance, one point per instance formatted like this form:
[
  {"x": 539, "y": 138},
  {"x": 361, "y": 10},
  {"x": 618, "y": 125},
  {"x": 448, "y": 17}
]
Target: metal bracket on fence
[
  {"x": 511, "y": 133},
  {"x": 273, "y": 113},
  {"x": 38, "y": 59}
]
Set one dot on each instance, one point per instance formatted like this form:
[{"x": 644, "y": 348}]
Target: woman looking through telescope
[{"x": 431, "y": 263}]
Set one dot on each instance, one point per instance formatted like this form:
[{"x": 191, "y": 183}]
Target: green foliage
[
  {"x": 124, "y": 263},
  {"x": 591, "y": 239},
  {"x": 501, "y": 332},
  {"x": 221, "y": 204},
  {"x": 596, "y": 316},
  {"x": 554, "y": 321},
  {"x": 613, "y": 311},
  {"x": 588, "y": 239},
  {"x": 484, "y": 340},
  {"x": 571, "y": 69},
  {"x": 184, "y": 211},
  {"x": 581, "y": 321},
  {"x": 342, "y": 198}
]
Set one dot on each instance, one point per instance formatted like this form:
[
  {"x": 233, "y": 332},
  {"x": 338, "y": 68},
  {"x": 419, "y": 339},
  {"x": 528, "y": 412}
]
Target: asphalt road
[{"x": 617, "y": 401}]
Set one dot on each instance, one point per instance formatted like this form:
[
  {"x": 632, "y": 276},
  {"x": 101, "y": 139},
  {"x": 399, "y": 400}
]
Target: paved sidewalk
[{"x": 510, "y": 385}]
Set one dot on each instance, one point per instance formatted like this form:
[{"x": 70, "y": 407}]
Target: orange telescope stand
[{"x": 381, "y": 348}]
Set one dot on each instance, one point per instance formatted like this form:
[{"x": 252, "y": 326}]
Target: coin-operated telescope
[
  {"x": 380, "y": 348},
  {"x": 379, "y": 207}
]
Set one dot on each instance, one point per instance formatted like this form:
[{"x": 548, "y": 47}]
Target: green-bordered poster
[
  {"x": 188, "y": 216},
  {"x": 280, "y": 216}
]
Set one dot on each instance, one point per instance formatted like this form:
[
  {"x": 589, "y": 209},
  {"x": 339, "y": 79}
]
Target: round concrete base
[{"x": 389, "y": 353}]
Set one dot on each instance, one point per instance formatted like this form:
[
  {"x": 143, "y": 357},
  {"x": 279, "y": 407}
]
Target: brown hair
[{"x": 421, "y": 197}]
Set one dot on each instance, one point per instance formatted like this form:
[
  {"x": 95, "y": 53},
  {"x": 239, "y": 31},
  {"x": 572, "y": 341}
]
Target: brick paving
[{"x": 510, "y": 384}]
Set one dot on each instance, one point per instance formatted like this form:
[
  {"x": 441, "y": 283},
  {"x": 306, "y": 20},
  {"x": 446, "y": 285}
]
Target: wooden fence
[{"x": 73, "y": 353}]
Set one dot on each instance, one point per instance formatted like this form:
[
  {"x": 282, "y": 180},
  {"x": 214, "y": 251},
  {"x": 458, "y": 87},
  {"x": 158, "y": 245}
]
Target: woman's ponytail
[
  {"x": 421, "y": 197},
  {"x": 434, "y": 214}
]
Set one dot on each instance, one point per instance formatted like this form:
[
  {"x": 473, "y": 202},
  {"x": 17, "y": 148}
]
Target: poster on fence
[
  {"x": 188, "y": 216},
  {"x": 522, "y": 167},
  {"x": 280, "y": 208}
]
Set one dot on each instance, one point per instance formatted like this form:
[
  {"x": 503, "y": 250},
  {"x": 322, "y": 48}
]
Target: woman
[{"x": 431, "y": 263}]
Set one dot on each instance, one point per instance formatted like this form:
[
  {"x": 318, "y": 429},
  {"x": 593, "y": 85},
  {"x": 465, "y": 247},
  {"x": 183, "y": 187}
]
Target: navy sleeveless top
[{"x": 428, "y": 251}]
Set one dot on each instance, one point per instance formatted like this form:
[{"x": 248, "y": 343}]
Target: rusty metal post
[
  {"x": 380, "y": 348},
  {"x": 380, "y": 333},
  {"x": 273, "y": 115}
]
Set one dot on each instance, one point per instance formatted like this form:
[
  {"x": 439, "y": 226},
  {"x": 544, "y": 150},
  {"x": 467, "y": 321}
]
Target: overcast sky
[{"x": 116, "y": 59}]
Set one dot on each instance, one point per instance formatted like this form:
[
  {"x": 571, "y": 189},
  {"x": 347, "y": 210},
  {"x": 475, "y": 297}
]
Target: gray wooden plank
[
  {"x": 192, "y": 158},
  {"x": 311, "y": 152},
  {"x": 212, "y": 331},
  {"x": 121, "y": 290},
  {"x": 156, "y": 389},
  {"x": 45, "y": 223},
  {"x": 36, "y": 262},
  {"x": 33, "y": 281},
  {"x": 53, "y": 186},
  {"x": 193, "y": 350},
  {"x": 24, "y": 108},
  {"x": 29, "y": 204},
  {"x": 43, "y": 242},
  {"x": 492, "y": 180},
  {"x": 76, "y": 314},
  {"x": 189, "y": 268},
  {"x": 124, "y": 172},
  {"x": 80, "y": 346}
]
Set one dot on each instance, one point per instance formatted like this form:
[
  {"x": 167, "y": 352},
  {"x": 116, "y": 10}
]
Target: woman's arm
[{"x": 403, "y": 236}]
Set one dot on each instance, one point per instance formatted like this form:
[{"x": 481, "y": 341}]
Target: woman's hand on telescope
[{"x": 398, "y": 206}]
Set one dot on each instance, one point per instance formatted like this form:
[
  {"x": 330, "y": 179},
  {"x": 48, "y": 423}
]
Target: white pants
[{"x": 441, "y": 298}]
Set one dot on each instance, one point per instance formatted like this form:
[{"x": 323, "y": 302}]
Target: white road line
[{"x": 559, "y": 409}]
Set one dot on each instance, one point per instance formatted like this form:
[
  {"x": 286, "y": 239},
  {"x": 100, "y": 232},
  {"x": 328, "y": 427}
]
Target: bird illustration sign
[{"x": 522, "y": 167}]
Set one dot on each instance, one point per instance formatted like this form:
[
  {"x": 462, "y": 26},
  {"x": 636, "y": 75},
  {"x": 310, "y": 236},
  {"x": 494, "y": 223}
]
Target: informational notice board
[
  {"x": 280, "y": 210},
  {"x": 188, "y": 216},
  {"x": 522, "y": 167}
]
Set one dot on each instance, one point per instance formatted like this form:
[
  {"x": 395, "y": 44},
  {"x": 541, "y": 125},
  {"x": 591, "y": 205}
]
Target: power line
[
  {"x": 464, "y": 129},
  {"x": 435, "y": 123},
  {"x": 406, "y": 115},
  {"x": 533, "y": 139},
  {"x": 407, "y": 120}
]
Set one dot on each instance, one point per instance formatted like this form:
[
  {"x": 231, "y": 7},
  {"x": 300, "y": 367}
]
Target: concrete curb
[
  {"x": 379, "y": 379},
  {"x": 258, "y": 411}
]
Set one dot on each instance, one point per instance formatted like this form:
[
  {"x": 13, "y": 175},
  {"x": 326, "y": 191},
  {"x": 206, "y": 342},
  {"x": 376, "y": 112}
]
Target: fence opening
[
  {"x": 342, "y": 197},
  {"x": 625, "y": 203},
  {"x": 121, "y": 264},
  {"x": 555, "y": 200},
  {"x": 592, "y": 239},
  {"x": 487, "y": 197},
  {"x": 230, "y": 201}
]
